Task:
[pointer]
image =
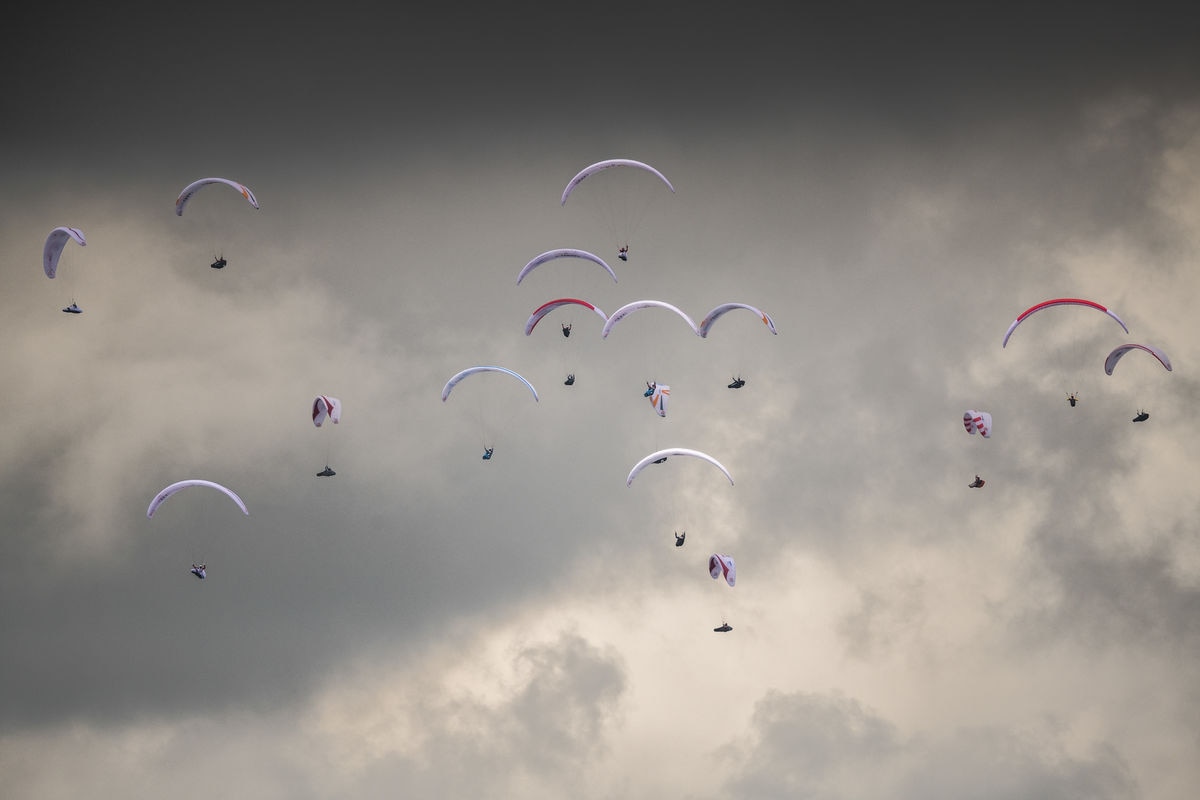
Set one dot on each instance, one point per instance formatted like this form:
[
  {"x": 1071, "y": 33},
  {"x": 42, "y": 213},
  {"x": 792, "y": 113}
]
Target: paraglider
[
  {"x": 737, "y": 383},
  {"x": 1058, "y": 302},
  {"x": 1110, "y": 362},
  {"x": 980, "y": 421},
  {"x": 720, "y": 565},
  {"x": 725, "y": 628},
  {"x": 199, "y": 570},
  {"x": 977, "y": 483},
  {"x": 1142, "y": 416},
  {"x": 1073, "y": 398},
  {"x": 325, "y": 408},
  {"x": 661, "y": 455},
  {"x": 52, "y": 252},
  {"x": 724, "y": 308},
  {"x": 622, "y": 202},
  {"x": 679, "y": 537}
]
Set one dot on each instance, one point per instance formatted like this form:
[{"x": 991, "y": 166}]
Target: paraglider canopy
[
  {"x": 324, "y": 408},
  {"x": 456, "y": 379},
  {"x": 564, "y": 252},
  {"x": 190, "y": 190},
  {"x": 637, "y": 305},
  {"x": 181, "y": 485},
  {"x": 55, "y": 242},
  {"x": 609, "y": 163},
  {"x": 662, "y": 455},
  {"x": 980, "y": 421},
  {"x": 1110, "y": 362},
  {"x": 1060, "y": 301},
  {"x": 720, "y": 564},
  {"x": 724, "y": 308}
]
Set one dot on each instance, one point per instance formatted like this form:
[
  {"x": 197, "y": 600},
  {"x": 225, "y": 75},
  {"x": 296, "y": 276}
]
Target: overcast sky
[{"x": 892, "y": 188}]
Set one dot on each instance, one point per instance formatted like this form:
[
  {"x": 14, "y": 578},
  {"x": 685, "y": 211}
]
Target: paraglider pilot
[
  {"x": 219, "y": 263},
  {"x": 1142, "y": 416},
  {"x": 487, "y": 454},
  {"x": 566, "y": 328},
  {"x": 737, "y": 383},
  {"x": 200, "y": 571},
  {"x": 623, "y": 252},
  {"x": 570, "y": 381},
  {"x": 975, "y": 484},
  {"x": 725, "y": 627},
  {"x": 73, "y": 309},
  {"x": 1072, "y": 399},
  {"x": 679, "y": 537},
  {"x": 650, "y": 387}
]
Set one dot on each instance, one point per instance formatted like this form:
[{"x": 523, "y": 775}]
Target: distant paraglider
[
  {"x": 219, "y": 263},
  {"x": 625, "y": 201},
  {"x": 199, "y": 570},
  {"x": 1073, "y": 398},
  {"x": 737, "y": 383},
  {"x": 977, "y": 483},
  {"x": 325, "y": 408},
  {"x": 679, "y": 537},
  {"x": 52, "y": 251}
]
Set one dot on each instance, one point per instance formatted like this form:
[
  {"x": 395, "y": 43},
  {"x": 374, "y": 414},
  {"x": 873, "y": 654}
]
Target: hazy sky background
[{"x": 892, "y": 187}]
